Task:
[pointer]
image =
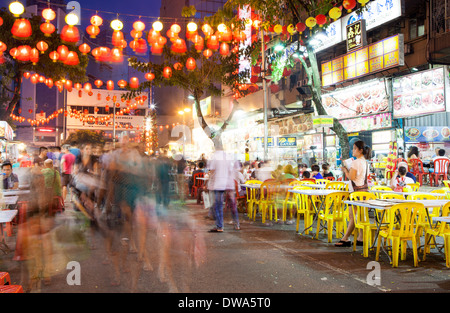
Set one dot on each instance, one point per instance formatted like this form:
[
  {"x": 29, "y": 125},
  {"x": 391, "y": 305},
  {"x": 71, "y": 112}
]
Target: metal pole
[
  {"x": 266, "y": 130},
  {"x": 64, "y": 116},
  {"x": 114, "y": 125}
]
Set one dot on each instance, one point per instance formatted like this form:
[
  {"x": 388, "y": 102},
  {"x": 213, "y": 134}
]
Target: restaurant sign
[
  {"x": 286, "y": 141},
  {"x": 356, "y": 35},
  {"x": 379, "y": 56},
  {"x": 427, "y": 134},
  {"x": 419, "y": 93}
]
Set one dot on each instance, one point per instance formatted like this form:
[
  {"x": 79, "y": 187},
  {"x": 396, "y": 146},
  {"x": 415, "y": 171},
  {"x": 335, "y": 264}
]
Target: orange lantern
[
  {"x": 68, "y": 84},
  {"x": 70, "y": 34},
  {"x": 34, "y": 56},
  {"x": 149, "y": 76},
  {"x": 54, "y": 56},
  {"x": 212, "y": 43},
  {"x": 27, "y": 75},
  {"x": 42, "y": 46},
  {"x": 134, "y": 82},
  {"x": 207, "y": 53},
  {"x": 78, "y": 86},
  {"x": 47, "y": 28},
  {"x": 122, "y": 83},
  {"x": 175, "y": 28},
  {"x": 207, "y": 30},
  {"x": 110, "y": 85},
  {"x": 191, "y": 64},
  {"x": 167, "y": 72},
  {"x": 116, "y": 55},
  {"x": 138, "y": 26},
  {"x": 72, "y": 58},
  {"x": 34, "y": 79},
  {"x": 177, "y": 66},
  {"x": 23, "y": 53},
  {"x": 179, "y": 46},
  {"x": 156, "y": 49},
  {"x": 2, "y": 47},
  {"x": 141, "y": 46},
  {"x": 117, "y": 38},
  {"x": 63, "y": 52},
  {"x": 93, "y": 30},
  {"x": 84, "y": 48},
  {"x": 87, "y": 87},
  {"x": 224, "y": 48},
  {"x": 21, "y": 29},
  {"x": 98, "y": 83}
]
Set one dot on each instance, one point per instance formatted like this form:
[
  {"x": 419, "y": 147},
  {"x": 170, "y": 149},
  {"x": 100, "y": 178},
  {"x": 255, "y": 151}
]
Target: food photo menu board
[
  {"x": 419, "y": 93},
  {"x": 427, "y": 134},
  {"x": 359, "y": 100}
]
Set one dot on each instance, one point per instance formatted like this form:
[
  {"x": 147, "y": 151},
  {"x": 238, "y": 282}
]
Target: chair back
[
  {"x": 322, "y": 181},
  {"x": 362, "y": 213},
  {"x": 403, "y": 218},
  {"x": 416, "y": 166},
  {"x": 444, "y": 227},
  {"x": 398, "y": 160},
  {"x": 412, "y": 187},
  {"x": 306, "y": 182},
  {"x": 440, "y": 193},
  {"x": 446, "y": 183},
  {"x": 421, "y": 196},
  {"x": 252, "y": 193},
  {"x": 309, "y": 179},
  {"x": 337, "y": 185},
  {"x": 334, "y": 204},
  {"x": 392, "y": 196},
  {"x": 441, "y": 166},
  {"x": 253, "y": 181},
  {"x": 198, "y": 182},
  {"x": 381, "y": 188},
  {"x": 303, "y": 202},
  {"x": 330, "y": 178},
  {"x": 269, "y": 190}
]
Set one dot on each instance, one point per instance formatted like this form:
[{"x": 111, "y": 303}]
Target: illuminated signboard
[
  {"x": 356, "y": 35},
  {"x": 287, "y": 141},
  {"x": 376, "y": 57}
]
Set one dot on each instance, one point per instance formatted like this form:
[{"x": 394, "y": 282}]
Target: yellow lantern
[
  {"x": 16, "y": 8},
  {"x": 310, "y": 22},
  {"x": 363, "y": 2},
  {"x": 278, "y": 29},
  {"x": 291, "y": 29},
  {"x": 335, "y": 13}
]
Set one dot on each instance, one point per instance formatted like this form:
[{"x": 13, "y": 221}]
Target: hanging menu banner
[
  {"x": 376, "y": 57},
  {"x": 427, "y": 134},
  {"x": 419, "y": 93}
]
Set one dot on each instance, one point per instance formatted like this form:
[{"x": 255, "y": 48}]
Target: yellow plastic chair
[
  {"x": 381, "y": 188},
  {"x": 305, "y": 182},
  {"x": 392, "y": 196},
  {"x": 400, "y": 233},
  {"x": 333, "y": 213},
  {"x": 322, "y": 181},
  {"x": 425, "y": 224},
  {"x": 290, "y": 201},
  {"x": 304, "y": 208},
  {"x": 362, "y": 221},
  {"x": 252, "y": 195},
  {"x": 439, "y": 229},
  {"x": 446, "y": 183},
  {"x": 440, "y": 193},
  {"x": 412, "y": 187},
  {"x": 267, "y": 200},
  {"x": 337, "y": 185}
]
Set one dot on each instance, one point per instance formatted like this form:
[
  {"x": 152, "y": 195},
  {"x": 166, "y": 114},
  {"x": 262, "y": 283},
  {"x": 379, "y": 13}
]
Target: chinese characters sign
[
  {"x": 376, "y": 57},
  {"x": 356, "y": 35}
]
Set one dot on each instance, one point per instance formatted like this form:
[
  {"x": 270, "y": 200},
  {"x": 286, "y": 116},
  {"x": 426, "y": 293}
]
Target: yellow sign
[
  {"x": 322, "y": 121},
  {"x": 376, "y": 57}
]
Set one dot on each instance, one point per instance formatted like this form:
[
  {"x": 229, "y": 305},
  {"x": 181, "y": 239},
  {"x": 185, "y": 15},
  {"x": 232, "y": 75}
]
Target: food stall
[
  {"x": 7, "y": 148},
  {"x": 420, "y": 94}
]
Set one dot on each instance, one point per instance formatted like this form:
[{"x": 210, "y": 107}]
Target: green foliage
[
  {"x": 188, "y": 11},
  {"x": 83, "y": 136}
]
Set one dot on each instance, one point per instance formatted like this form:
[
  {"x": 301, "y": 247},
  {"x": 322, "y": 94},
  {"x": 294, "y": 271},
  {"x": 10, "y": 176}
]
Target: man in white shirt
[{"x": 221, "y": 179}]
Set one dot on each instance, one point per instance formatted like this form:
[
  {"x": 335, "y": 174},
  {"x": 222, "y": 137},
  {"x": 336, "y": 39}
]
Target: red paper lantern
[
  {"x": 167, "y": 72},
  {"x": 207, "y": 53},
  {"x": 98, "y": 83},
  {"x": 27, "y": 75},
  {"x": 34, "y": 79},
  {"x": 300, "y": 27},
  {"x": 122, "y": 83},
  {"x": 93, "y": 30},
  {"x": 23, "y": 53},
  {"x": 177, "y": 66},
  {"x": 116, "y": 55},
  {"x": 63, "y": 52},
  {"x": 349, "y": 5},
  {"x": 179, "y": 46},
  {"x": 42, "y": 46},
  {"x": 54, "y": 56},
  {"x": 72, "y": 58},
  {"x": 68, "y": 84},
  {"x": 149, "y": 76},
  {"x": 191, "y": 64},
  {"x": 134, "y": 82},
  {"x": 117, "y": 38},
  {"x": 141, "y": 47},
  {"x": 224, "y": 48},
  {"x": 321, "y": 20},
  {"x": 212, "y": 43},
  {"x": 87, "y": 87},
  {"x": 2, "y": 47},
  {"x": 47, "y": 28},
  {"x": 34, "y": 56},
  {"x": 207, "y": 30},
  {"x": 84, "y": 48},
  {"x": 21, "y": 29},
  {"x": 156, "y": 49},
  {"x": 70, "y": 34},
  {"x": 110, "y": 85}
]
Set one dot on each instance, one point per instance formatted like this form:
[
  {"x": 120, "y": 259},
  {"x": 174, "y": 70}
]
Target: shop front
[
  {"x": 8, "y": 148},
  {"x": 419, "y": 95}
]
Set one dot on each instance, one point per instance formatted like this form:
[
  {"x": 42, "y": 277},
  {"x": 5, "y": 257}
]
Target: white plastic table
[{"x": 6, "y": 216}]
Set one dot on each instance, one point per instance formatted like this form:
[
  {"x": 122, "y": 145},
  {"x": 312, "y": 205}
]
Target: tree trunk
[
  {"x": 315, "y": 83},
  {"x": 9, "y": 108}
]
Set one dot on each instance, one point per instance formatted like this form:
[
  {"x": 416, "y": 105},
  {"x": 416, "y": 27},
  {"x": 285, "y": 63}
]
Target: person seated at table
[
  {"x": 408, "y": 174},
  {"x": 413, "y": 153},
  {"x": 326, "y": 170},
  {"x": 200, "y": 169},
  {"x": 278, "y": 172},
  {"x": 10, "y": 180},
  {"x": 315, "y": 172},
  {"x": 306, "y": 175},
  {"x": 301, "y": 168},
  {"x": 399, "y": 179},
  {"x": 288, "y": 172},
  {"x": 440, "y": 155}
]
